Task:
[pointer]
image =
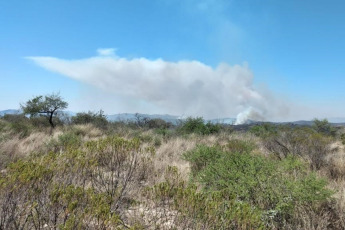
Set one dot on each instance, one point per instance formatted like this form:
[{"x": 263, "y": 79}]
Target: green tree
[
  {"x": 48, "y": 105},
  {"x": 324, "y": 127}
]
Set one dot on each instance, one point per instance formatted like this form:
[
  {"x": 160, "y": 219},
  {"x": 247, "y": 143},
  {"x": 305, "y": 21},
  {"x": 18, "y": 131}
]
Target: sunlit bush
[{"x": 272, "y": 186}]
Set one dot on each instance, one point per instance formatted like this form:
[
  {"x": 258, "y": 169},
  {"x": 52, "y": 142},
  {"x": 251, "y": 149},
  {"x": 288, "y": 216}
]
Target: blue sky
[{"x": 294, "y": 51}]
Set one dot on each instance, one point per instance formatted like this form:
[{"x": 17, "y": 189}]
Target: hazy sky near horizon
[{"x": 281, "y": 60}]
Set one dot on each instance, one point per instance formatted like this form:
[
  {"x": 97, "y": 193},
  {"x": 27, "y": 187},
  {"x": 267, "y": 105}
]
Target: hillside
[{"x": 157, "y": 176}]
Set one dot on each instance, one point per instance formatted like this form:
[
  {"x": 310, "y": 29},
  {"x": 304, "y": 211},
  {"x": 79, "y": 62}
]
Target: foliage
[
  {"x": 76, "y": 188},
  {"x": 203, "y": 155},
  {"x": 19, "y": 124},
  {"x": 200, "y": 157},
  {"x": 48, "y": 105},
  {"x": 274, "y": 187},
  {"x": 324, "y": 127},
  {"x": 42, "y": 122},
  {"x": 304, "y": 142},
  {"x": 197, "y": 125},
  {"x": 158, "y": 123},
  {"x": 239, "y": 146},
  {"x": 83, "y": 179},
  {"x": 98, "y": 119},
  {"x": 200, "y": 210},
  {"x": 264, "y": 130}
]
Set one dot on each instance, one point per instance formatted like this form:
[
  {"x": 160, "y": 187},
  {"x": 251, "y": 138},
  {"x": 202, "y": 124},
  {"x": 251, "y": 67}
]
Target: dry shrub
[
  {"x": 88, "y": 131},
  {"x": 86, "y": 187},
  {"x": 336, "y": 165},
  {"x": 306, "y": 143},
  {"x": 310, "y": 219},
  {"x": 169, "y": 154},
  {"x": 16, "y": 147},
  {"x": 338, "y": 206}
]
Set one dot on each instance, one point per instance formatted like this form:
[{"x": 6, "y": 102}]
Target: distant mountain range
[
  {"x": 175, "y": 119},
  {"x": 133, "y": 117},
  {"x": 9, "y": 111}
]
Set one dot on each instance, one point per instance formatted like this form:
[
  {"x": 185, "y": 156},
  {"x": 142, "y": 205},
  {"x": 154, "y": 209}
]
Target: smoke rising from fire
[{"x": 189, "y": 88}]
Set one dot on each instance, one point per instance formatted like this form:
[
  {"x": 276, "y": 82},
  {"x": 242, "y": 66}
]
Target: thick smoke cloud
[{"x": 188, "y": 88}]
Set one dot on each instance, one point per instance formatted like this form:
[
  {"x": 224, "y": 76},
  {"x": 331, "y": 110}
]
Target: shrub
[
  {"x": 66, "y": 140},
  {"x": 97, "y": 119},
  {"x": 19, "y": 124},
  {"x": 15, "y": 118},
  {"x": 272, "y": 186},
  {"x": 197, "y": 209},
  {"x": 166, "y": 133},
  {"x": 42, "y": 122},
  {"x": 158, "y": 124},
  {"x": 78, "y": 188},
  {"x": 204, "y": 155},
  {"x": 324, "y": 127},
  {"x": 198, "y": 126},
  {"x": 239, "y": 146},
  {"x": 200, "y": 157},
  {"x": 69, "y": 139},
  {"x": 264, "y": 130},
  {"x": 303, "y": 142}
]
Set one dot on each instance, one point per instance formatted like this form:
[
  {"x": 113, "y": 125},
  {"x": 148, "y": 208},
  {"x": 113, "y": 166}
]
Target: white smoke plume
[
  {"x": 188, "y": 88},
  {"x": 249, "y": 114}
]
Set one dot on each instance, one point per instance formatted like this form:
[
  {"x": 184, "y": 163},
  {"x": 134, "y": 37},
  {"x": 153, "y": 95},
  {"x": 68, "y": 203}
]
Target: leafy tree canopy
[{"x": 47, "y": 105}]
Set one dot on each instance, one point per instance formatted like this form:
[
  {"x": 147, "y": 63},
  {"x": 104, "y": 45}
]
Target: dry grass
[
  {"x": 169, "y": 152},
  {"x": 15, "y": 147}
]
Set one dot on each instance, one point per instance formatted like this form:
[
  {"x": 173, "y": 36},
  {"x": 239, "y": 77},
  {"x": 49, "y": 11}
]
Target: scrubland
[{"x": 149, "y": 174}]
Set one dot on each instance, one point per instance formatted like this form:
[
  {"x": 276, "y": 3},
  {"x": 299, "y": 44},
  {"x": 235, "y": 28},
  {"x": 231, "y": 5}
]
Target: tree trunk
[{"x": 51, "y": 120}]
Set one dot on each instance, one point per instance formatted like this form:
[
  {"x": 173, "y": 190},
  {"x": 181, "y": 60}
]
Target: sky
[{"x": 262, "y": 59}]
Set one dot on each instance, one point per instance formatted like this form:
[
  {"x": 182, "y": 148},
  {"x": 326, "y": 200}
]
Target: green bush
[
  {"x": 66, "y": 140},
  {"x": 41, "y": 122},
  {"x": 166, "y": 133},
  {"x": 19, "y": 124},
  {"x": 202, "y": 156},
  {"x": 239, "y": 146},
  {"x": 69, "y": 139},
  {"x": 264, "y": 130},
  {"x": 198, "y": 126},
  {"x": 324, "y": 127},
  {"x": 200, "y": 210},
  {"x": 97, "y": 119},
  {"x": 77, "y": 188},
  {"x": 272, "y": 186}
]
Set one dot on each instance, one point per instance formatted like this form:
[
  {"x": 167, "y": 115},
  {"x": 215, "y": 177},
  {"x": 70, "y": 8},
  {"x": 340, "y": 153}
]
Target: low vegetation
[{"x": 89, "y": 173}]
